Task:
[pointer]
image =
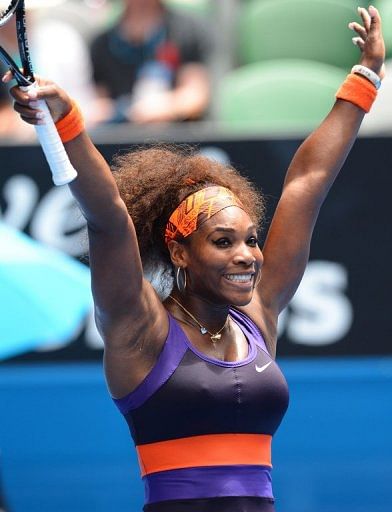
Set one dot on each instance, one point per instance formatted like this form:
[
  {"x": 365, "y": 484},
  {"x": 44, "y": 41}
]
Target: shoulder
[
  {"x": 188, "y": 30},
  {"x": 147, "y": 365}
]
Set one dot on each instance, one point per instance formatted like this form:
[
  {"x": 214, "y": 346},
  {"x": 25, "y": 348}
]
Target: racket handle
[{"x": 62, "y": 170}]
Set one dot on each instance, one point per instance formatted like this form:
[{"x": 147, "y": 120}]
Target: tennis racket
[{"x": 60, "y": 166}]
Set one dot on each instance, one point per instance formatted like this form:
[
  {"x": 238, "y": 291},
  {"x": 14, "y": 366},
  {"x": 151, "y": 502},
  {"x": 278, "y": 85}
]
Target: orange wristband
[
  {"x": 357, "y": 90},
  {"x": 72, "y": 125}
]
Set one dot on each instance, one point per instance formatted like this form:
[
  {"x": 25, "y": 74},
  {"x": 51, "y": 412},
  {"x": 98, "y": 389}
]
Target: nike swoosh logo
[{"x": 262, "y": 368}]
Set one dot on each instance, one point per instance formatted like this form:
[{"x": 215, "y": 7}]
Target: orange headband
[{"x": 196, "y": 209}]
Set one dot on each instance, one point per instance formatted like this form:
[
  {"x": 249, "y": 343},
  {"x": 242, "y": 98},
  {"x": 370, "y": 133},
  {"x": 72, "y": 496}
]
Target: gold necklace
[{"x": 214, "y": 336}]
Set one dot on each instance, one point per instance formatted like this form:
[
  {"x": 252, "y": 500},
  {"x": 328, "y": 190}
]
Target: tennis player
[{"x": 190, "y": 363}]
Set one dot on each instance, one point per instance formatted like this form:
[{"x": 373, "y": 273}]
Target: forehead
[{"x": 231, "y": 217}]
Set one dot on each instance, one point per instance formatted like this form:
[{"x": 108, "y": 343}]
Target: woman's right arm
[{"x": 125, "y": 303}]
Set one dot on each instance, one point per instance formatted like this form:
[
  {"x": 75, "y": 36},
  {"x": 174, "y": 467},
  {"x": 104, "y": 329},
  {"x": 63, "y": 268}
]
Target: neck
[
  {"x": 211, "y": 316},
  {"x": 140, "y": 21}
]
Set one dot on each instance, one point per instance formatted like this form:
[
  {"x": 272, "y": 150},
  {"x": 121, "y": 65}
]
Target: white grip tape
[{"x": 52, "y": 146}]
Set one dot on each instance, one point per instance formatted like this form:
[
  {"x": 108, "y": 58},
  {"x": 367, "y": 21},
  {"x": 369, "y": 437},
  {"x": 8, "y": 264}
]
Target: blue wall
[{"x": 65, "y": 448}]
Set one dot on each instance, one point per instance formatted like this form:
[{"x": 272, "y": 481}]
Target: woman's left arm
[{"x": 309, "y": 178}]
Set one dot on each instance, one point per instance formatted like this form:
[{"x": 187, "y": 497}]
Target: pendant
[
  {"x": 203, "y": 330},
  {"x": 215, "y": 337}
]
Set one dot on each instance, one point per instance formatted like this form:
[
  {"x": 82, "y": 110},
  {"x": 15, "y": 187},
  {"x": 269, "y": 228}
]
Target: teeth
[{"x": 239, "y": 277}]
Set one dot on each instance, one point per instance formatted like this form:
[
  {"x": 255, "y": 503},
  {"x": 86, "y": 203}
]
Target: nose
[{"x": 245, "y": 255}]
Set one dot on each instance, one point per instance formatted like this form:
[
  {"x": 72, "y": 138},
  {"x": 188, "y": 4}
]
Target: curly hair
[{"x": 153, "y": 181}]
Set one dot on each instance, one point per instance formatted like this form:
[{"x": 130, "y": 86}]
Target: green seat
[
  {"x": 385, "y": 9},
  {"x": 298, "y": 29},
  {"x": 278, "y": 96},
  {"x": 199, "y": 7}
]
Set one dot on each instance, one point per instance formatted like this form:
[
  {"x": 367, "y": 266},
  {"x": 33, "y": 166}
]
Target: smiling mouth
[{"x": 239, "y": 278}]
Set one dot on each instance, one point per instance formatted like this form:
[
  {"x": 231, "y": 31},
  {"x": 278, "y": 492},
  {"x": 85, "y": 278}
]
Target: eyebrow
[
  {"x": 231, "y": 230},
  {"x": 227, "y": 230}
]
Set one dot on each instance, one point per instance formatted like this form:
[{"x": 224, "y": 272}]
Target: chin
[{"x": 241, "y": 299}]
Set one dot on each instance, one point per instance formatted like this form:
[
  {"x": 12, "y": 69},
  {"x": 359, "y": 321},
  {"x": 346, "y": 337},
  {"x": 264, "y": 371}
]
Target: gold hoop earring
[{"x": 181, "y": 286}]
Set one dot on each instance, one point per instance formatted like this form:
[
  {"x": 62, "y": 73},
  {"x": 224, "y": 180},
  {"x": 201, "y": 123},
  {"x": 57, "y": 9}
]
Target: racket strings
[
  {"x": 7, "y": 13},
  {"x": 24, "y": 75}
]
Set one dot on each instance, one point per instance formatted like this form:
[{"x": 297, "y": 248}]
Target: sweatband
[
  {"x": 367, "y": 73},
  {"x": 357, "y": 90},
  {"x": 196, "y": 209},
  {"x": 71, "y": 125}
]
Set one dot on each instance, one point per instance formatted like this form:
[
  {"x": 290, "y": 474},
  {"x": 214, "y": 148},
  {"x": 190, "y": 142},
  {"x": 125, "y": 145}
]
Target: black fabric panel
[
  {"x": 214, "y": 505},
  {"x": 203, "y": 398}
]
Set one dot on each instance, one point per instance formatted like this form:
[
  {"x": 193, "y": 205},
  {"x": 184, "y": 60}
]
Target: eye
[
  {"x": 252, "y": 241},
  {"x": 222, "y": 242}
]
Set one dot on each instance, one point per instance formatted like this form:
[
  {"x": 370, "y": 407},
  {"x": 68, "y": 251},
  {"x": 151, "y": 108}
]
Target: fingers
[
  {"x": 369, "y": 39},
  {"x": 366, "y": 19},
  {"x": 29, "y": 100},
  {"x": 359, "y": 29},
  {"x": 358, "y": 41},
  {"x": 26, "y": 103},
  {"x": 44, "y": 92},
  {"x": 30, "y": 115},
  {"x": 375, "y": 24},
  {"x": 31, "y": 96},
  {"x": 371, "y": 22},
  {"x": 362, "y": 34},
  {"x": 27, "y": 107},
  {"x": 7, "y": 77}
]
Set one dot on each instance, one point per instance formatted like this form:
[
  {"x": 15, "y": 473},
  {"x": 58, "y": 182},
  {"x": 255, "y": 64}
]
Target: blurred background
[{"x": 245, "y": 81}]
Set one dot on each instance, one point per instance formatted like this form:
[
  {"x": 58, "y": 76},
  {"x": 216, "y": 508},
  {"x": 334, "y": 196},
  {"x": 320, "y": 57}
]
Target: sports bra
[{"x": 203, "y": 427}]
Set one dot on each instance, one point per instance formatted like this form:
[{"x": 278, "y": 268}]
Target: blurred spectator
[
  {"x": 152, "y": 65},
  {"x": 58, "y": 50}
]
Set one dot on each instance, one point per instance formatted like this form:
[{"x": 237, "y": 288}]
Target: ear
[{"x": 178, "y": 253}]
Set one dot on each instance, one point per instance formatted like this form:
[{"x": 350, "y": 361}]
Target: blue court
[{"x": 65, "y": 447}]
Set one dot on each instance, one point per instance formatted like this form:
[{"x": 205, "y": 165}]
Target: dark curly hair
[{"x": 153, "y": 181}]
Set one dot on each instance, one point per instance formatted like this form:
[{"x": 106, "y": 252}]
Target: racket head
[
  {"x": 23, "y": 44},
  {"x": 7, "y": 13},
  {"x": 25, "y": 76}
]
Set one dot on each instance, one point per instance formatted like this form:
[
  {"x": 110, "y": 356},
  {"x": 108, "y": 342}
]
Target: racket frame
[
  {"x": 7, "y": 14},
  {"x": 62, "y": 169}
]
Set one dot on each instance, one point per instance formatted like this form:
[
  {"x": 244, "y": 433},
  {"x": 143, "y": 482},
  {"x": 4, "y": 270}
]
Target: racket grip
[{"x": 62, "y": 170}]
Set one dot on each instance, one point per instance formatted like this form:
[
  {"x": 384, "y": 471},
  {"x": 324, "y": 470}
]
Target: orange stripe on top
[
  {"x": 206, "y": 450},
  {"x": 198, "y": 208}
]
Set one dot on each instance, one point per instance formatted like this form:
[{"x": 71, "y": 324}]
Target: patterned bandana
[{"x": 196, "y": 209}]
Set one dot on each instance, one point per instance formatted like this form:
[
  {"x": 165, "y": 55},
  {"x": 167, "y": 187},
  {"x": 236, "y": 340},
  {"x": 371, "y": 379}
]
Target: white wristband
[{"x": 367, "y": 73}]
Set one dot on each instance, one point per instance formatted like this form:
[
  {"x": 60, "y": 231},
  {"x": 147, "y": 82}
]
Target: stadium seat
[
  {"x": 298, "y": 29},
  {"x": 199, "y": 7},
  {"x": 385, "y": 8},
  {"x": 280, "y": 96}
]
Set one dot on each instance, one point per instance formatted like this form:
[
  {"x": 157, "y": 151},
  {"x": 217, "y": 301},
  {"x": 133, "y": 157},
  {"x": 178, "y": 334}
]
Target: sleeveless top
[{"x": 203, "y": 427}]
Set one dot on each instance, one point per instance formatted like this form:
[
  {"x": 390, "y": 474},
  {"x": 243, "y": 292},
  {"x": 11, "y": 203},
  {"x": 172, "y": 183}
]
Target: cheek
[
  {"x": 209, "y": 266},
  {"x": 205, "y": 269},
  {"x": 205, "y": 257}
]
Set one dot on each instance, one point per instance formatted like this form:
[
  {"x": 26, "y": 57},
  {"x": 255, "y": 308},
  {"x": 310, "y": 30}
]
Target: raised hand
[
  {"x": 370, "y": 40},
  {"x": 26, "y": 104}
]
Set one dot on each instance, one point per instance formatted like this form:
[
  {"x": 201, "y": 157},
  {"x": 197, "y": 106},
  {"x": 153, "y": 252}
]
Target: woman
[{"x": 195, "y": 375}]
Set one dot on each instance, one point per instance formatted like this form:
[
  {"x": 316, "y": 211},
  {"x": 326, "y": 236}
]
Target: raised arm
[
  {"x": 125, "y": 303},
  {"x": 309, "y": 178}
]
